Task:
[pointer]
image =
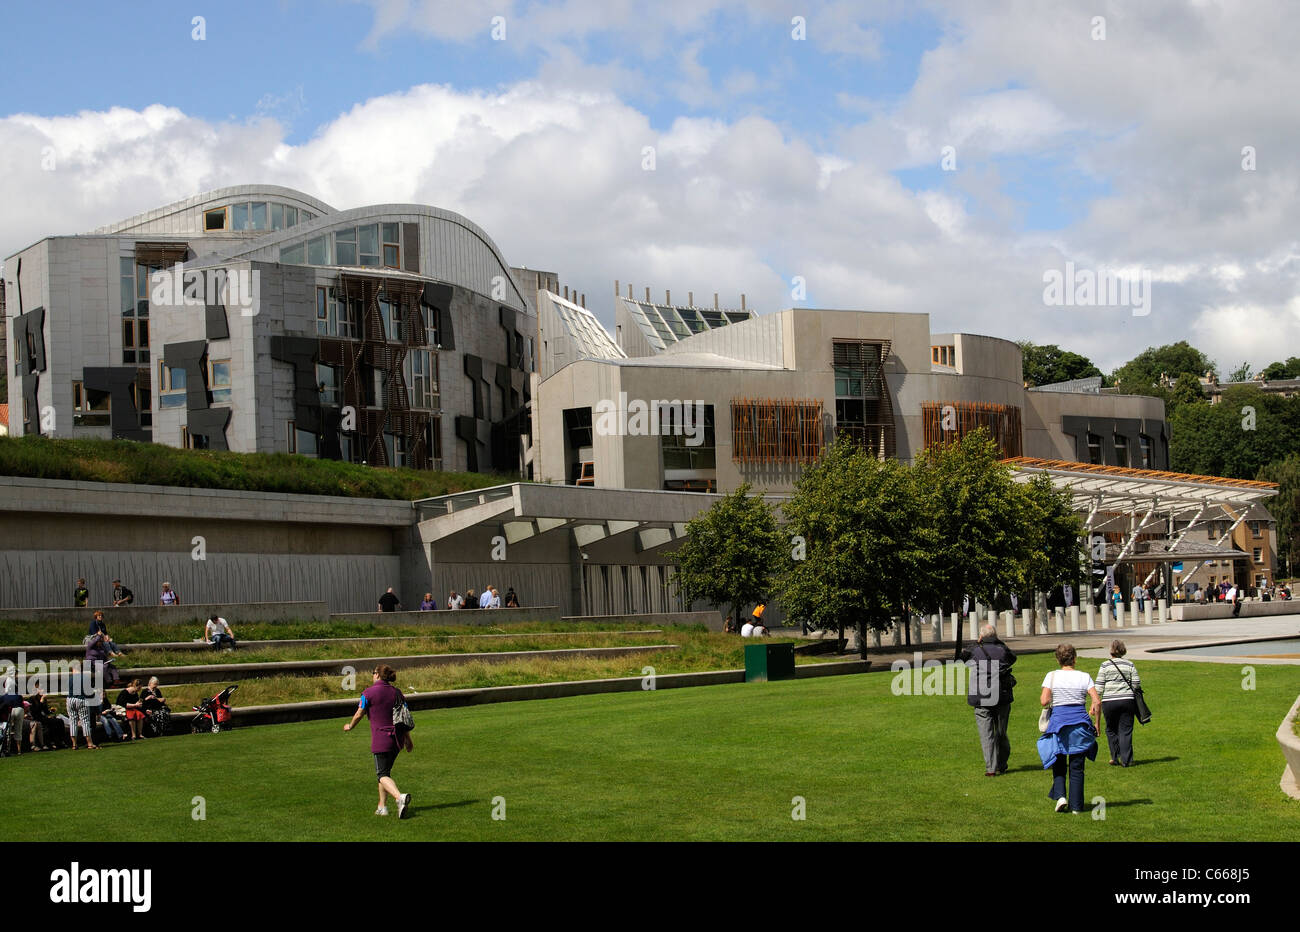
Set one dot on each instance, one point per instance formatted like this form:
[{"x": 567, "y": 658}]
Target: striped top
[{"x": 1110, "y": 684}]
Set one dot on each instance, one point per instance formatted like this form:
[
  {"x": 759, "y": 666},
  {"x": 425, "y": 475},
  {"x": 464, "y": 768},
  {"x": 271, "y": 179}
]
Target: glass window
[
  {"x": 327, "y": 379},
  {"x": 291, "y": 216},
  {"x": 318, "y": 251},
  {"x": 220, "y": 380},
  {"x": 306, "y": 442},
  {"x": 390, "y": 312},
  {"x": 1094, "y": 449},
  {"x": 368, "y": 244},
  {"x": 324, "y": 308},
  {"x": 214, "y": 219},
  {"x": 420, "y": 379},
  {"x": 127, "y": 272},
  {"x": 239, "y": 217},
  {"x": 259, "y": 215},
  {"x": 277, "y": 216},
  {"x": 345, "y": 245},
  {"x": 1121, "y": 450},
  {"x": 390, "y": 257},
  {"x": 306, "y": 215},
  {"x": 294, "y": 255},
  {"x": 390, "y": 233},
  {"x": 1145, "y": 443}
]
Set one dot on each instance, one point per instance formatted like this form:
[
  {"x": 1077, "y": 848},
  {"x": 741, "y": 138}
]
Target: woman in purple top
[{"x": 377, "y": 703}]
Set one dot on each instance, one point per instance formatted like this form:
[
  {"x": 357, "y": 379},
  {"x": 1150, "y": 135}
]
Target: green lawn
[{"x": 716, "y": 763}]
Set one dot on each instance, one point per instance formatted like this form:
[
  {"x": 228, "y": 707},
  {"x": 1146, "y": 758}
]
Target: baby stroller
[{"x": 213, "y": 714}]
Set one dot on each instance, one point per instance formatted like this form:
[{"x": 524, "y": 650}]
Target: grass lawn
[{"x": 716, "y": 763}]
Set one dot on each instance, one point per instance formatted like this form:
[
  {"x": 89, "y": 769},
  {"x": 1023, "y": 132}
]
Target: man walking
[
  {"x": 989, "y": 694},
  {"x": 121, "y": 594}
]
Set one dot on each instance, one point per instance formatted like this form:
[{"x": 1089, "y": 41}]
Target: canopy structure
[{"x": 1149, "y": 512}]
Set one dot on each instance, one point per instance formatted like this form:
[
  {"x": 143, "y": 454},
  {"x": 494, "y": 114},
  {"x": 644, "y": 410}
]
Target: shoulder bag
[
  {"x": 1045, "y": 716},
  {"x": 1144, "y": 710}
]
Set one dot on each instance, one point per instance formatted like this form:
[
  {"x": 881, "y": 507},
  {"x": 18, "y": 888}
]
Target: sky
[{"x": 951, "y": 157}]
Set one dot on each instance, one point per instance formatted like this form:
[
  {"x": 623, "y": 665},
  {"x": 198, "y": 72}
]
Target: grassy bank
[
  {"x": 87, "y": 460},
  {"x": 712, "y": 763}
]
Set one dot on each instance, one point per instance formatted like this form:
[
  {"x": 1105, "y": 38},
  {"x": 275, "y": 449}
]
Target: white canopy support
[
  {"x": 1133, "y": 536},
  {"x": 1174, "y": 546},
  {"x": 1220, "y": 542}
]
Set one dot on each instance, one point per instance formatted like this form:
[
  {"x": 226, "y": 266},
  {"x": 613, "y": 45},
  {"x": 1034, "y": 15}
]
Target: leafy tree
[
  {"x": 731, "y": 552},
  {"x": 1143, "y": 372},
  {"x": 970, "y": 502},
  {"x": 1052, "y": 552},
  {"x": 1237, "y": 437},
  {"x": 1282, "y": 370},
  {"x": 858, "y": 517},
  {"x": 1043, "y": 365},
  {"x": 1187, "y": 390},
  {"x": 1240, "y": 374},
  {"x": 1285, "y": 507}
]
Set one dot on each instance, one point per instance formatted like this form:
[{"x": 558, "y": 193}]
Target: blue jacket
[{"x": 1077, "y": 738}]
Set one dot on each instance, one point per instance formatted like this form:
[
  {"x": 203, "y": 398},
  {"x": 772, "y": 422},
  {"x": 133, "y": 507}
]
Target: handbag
[
  {"x": 402, "y": 718},
  {"x": 1139, "y": 699},
  {"x": 1045, "y": 716}
]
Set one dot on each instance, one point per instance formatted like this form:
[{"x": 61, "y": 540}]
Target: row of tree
[{"x": 862, "y": 542}]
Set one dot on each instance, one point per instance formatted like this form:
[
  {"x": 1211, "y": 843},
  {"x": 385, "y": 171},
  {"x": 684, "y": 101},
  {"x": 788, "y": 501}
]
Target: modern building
[
  {"x": 755, "y": 400},
  {"x": 647, "y": 328},
  {"x": 258, "y": 318}
]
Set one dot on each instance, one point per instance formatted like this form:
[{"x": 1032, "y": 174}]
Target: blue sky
[{"x": 777, "y": 157}]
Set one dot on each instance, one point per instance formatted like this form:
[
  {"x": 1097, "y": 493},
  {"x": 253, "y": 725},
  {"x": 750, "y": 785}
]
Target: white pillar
[
  {"x": 1026, "y": 621},
  {"x": 915, "y": 622},
  {"x": 993, "y": 619},
  {"x": 1134, "y": 614},
  {"x": 1009, "y": 623},
  {"x": 1073, "y": 612},
  {"x": 1162, "y": 612},
  {"x": 954, "y": 626},
  {"x": 1059, "y": 618},
  {"x": 1119, "y": 621},
  {"x": 1147, "y": 620},
  {"x": 1090, "y": 615},
  {"x": 875, "y": 637},
  {"x": 936, "y": 622},
  {"x": 898, "y": 635}
]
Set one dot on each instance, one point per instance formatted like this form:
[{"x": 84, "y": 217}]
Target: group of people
[
  {"x": 1075, "y": 705},
  {"x": 122, "y": 595},
  {"x": 31, "y": 723},
  {"x": 753, "y": 628},
  {"x": 489, "y": 598}
]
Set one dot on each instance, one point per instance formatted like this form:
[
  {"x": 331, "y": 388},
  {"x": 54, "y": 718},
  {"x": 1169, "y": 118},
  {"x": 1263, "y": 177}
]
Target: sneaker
[
  {"x": 1061, "y": 804},
  {"x": 403, "y": 804},
  {"x": 382, "y": 810}
]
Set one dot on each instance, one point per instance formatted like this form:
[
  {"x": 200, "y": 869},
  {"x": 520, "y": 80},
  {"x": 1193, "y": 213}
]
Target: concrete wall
[
  {"x": 195, "y": 614},
  {"x": 256, "y": 547}
]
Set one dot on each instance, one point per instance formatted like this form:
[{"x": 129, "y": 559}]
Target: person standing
[
  {"x": 1116, "y": 597},
  {"x": 121, "y": 594},
  {"x": 1234, "y": 596},
  {"x": 455, "y": 601},
  {"x": 989, "y": 693},
  {"x": 512, "y": 600},
  {"x": 80, "y": 691},
  {"x": 1116, "y": 682},
  {"x": 496, "y": 598},
  {"x": 388, "y": 602},
  {"x": 485, "y": 600},
  {"x": 471, "y": 599},
  {"x": 1070, "y": 739},
  {"x": 1140, "y": 596},
  {"x": 377, "y": 703},
  {"x": 169, "y": 596},
  {"x": 81, "y": 595}
]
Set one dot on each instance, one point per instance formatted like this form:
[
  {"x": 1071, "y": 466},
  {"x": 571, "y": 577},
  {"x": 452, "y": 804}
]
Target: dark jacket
[{"x": 991, "y": 681}]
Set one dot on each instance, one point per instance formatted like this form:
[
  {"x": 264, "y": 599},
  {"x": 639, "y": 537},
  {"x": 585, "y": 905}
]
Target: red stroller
[{"x": 213, "y": 714}]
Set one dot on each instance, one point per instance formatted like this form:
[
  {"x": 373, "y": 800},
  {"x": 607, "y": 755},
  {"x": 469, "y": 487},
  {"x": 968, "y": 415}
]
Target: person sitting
[
  {"x": 113, "y": 730},
  {"x": 217, "y": 632},
  {"x": 729, "y": 626},
  {"x": 747, "y": 629},
  {"x": 44, "y": 729},
  {"x": 132, "y": 701},
  {"x": 97, "y": 626},
  {"x": 169, "y": 596},
  {"x": 157, "y": 716}
]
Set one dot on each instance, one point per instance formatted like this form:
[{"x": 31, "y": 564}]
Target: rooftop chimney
[
  {"x": 742, "y": 302},
  {"x": 647, "y": 294},
  {"x": 616, "y": 288},
  {"x": 629, "y": 289},
  {"x": 668, "y": 297},
  {"x": 584, "y": 300},
  {"x": 690, "y": 299},
  {"x": 566, "y": 292}
]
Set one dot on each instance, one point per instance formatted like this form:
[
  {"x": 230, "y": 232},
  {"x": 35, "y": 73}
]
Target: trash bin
[{"x": 765, "y": 662}]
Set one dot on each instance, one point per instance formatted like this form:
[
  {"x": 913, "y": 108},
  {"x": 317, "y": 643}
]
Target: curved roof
[{"x": 217, "y": 198}]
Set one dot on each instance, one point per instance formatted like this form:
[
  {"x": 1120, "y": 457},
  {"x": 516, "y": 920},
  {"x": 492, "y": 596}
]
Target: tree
[
  {"x": 1043, "y": 365},
  {"x": 1282, "y": 370},
  {"x": 1052, "y": 535},
  {"x": 1285, "y": 507},
  {"x": 970, "y": 502},
  {"x": 731, "y": 552},
  {"x": 1143, "y": 372},
  {"x": 858, "y": 518},
  {"x": 1237, "y": 437},
  {"x": 1187, "y": 390},
  {"x": 1241, "y": 373}
]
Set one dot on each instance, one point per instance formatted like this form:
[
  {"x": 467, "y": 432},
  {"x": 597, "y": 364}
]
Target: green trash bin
[{"x": 765, "y": 662}]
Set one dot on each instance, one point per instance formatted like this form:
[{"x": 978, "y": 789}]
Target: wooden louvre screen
[
  {"x": 946, "y": 421},
  {"x": 160, "y": 255},
  {"x": 776, "y": 430}
]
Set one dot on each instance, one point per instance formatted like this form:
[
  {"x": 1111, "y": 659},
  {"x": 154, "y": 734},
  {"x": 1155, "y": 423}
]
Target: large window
[
  {"x": 90, "y": 408},
  {"x": 1145, "y": 443},
  {"x": 219, "y": 380},
  {"x": 862, "y": 409},
  {"x": 171, "y": 385},
  {"x": 1121, "y": 450},
  {"x": 1094, "y": 450},
  {"x": 214, "y": 219},
  {"x": 390, "y": 312},
  {"x": 358, "y": 245},
  {"x": 134, "y": 281},
  {"x": 421, "y": 370},
  {"x": 686, "y": 442},
  {"x": 301, "y": 441},
  {"x": 329, "y": 383},
  {"x": 392, "y": 246}
]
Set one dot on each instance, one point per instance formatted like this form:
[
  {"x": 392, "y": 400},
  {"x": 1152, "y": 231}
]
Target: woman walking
[
  {"x": 378, "y": 703},
  {"x": 1116, "y": 681},
  {"x": 1070, "y": 737}
]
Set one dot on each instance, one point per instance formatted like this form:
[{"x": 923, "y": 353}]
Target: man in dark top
[
  {"x": 389, "y": 602},
  {"x": 989, "y": 693},
  {"x": 81, "y": 596},
  {"x": 121, "y": 594}
]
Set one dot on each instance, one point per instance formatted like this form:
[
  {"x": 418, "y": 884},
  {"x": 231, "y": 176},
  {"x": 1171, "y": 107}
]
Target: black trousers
[{"x": 1119, "y": 714}]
